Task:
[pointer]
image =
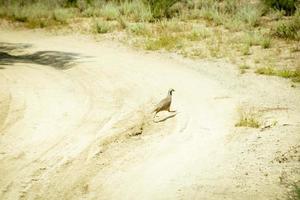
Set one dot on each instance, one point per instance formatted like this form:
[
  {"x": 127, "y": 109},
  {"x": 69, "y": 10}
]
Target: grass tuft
[
  {"x": 110, "y": 11},
  {"x": 289, "y": 29},
  {"x": 198, "y": 34},
  {"x": 139, "y": 29},
  {"x": 270, "y": 71},
  {"x": 62, "y": 15},
  {"x": 136, "y": 10},
  {"x": 165, "y": 41},
  {"x": 248, "y": 119},
  {"x": 102, "y": 27}
]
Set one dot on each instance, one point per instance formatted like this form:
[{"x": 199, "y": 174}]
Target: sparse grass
[
  {"x": 246, "y": 49},
  {"x": 139, "y": 29},
  {"x": 255, "y": 38},
  {"x": 270, "y": 71},
  {"x": 198, "y": 28},
  {"x": 136, "y": 10},
  {"x": 266, "y": 71},
  {"x": 249, "y": 15},
  {"x": 265, "y": 42},
  {"x": 173, "y": 25},
  {"x": 102, "y": 27},
  {"x": 288, "y": 29},
  {"x": 62, "y": 15},
  {"x": 160, "y": 8},
  {"x": 110, "y": 11},
  {"x": 195, "y": 53},
  {"x": 167, "y": 42},
  {"x": 248, "y": 118},
  {"x": 91, "y": 12},
  {"x": 37, "y": 15},
  {"x": 244, "y": 66},
  {"x": 122, "y": 22},
  {"x": 198, "y": 34}
]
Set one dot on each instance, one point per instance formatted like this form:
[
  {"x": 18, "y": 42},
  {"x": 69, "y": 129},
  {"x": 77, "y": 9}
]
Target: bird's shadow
[{"x": 166, "y": 118}]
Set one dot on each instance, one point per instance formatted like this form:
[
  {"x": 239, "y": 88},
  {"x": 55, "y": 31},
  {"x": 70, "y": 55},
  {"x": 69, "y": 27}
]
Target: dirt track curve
[{"x": 75, "y": 123}]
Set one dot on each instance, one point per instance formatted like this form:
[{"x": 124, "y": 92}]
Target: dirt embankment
[{"x": 75, "y": 123}]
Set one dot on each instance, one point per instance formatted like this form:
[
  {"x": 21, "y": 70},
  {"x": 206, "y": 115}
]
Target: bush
[
  {"x": 110, "y": 11},
  {"x": 136, "y": 10},
  {"x": 289, "y": 6},
  {"x": 290, "y": 29},
  {"x": 248, "y": 14},
  {"x": 139, "y": 29},
  {"x": 160, "y": 8},
  {"x": 62, "y": 15},
  {"x": 101, "y": 27}
]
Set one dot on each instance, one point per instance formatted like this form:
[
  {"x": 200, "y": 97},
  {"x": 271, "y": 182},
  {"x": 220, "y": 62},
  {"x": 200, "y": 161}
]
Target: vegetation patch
[
  {"x": 110, "y": 11},
  {"x": 288, "y": 29},
  {"x": 230, "y": 29},
  {"x": 243, "y": 68},
  {"x": 248, "y": 118},
  {"x": 167, "y": 42},
  {"x": 288, "y": 6},
  {"x": 102, "y": 27},
  {"x": 139, "y": 29},
  {"x": 160, "y": 8},
  {"x": 270, "y": 71}
]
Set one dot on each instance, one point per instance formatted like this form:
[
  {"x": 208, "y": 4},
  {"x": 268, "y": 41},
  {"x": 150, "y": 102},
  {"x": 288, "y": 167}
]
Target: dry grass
[
  {"x": 166, "y": 42},
  {"x": 248, "y": 118},
  {"x": 271, "y": 71},
  {"x": 101, "y": 27}
]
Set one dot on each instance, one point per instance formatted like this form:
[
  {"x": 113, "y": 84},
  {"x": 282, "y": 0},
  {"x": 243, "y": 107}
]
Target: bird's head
[{"x": 171, "y": 91}]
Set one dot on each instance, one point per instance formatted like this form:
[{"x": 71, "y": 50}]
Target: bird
[{"x": 164, "y": 104}]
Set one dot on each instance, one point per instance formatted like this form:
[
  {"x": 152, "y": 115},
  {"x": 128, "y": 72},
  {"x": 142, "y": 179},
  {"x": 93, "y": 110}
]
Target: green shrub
[
  {"x": 136, "y": 10},
  {"x": 266, "y": 42},
  {"x": 254, "y": 38},
  {"x": 230, "y": 6},
  {"x": 289, "y": 6},
  {"x": 248, "y": 14},
  {"x": 160, "y": 8},
  {"x": 91, "y": 12},
  {"x": 290, "y": 29},
  {"x": 101, "y": 27},
  {"x": 139, "y": 29},
  {"x": 62, "y": 15},
  {"x": 110, "y": 11}
]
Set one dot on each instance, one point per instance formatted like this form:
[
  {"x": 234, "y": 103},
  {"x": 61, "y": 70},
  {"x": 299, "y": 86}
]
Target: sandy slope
[{"x": 75, "y": 123}]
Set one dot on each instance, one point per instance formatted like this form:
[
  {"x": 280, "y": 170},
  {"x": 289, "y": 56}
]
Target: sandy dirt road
[{"x": 76, "y": 123}]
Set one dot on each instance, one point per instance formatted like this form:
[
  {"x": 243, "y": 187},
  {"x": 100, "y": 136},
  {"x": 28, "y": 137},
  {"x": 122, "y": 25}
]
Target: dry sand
[{"x": 75, "y": 123}]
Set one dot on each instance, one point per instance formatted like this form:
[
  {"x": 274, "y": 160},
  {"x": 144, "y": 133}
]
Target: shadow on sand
[
  {"x": 164, "y": 119},
  {"x": 57, "y": 59}
]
